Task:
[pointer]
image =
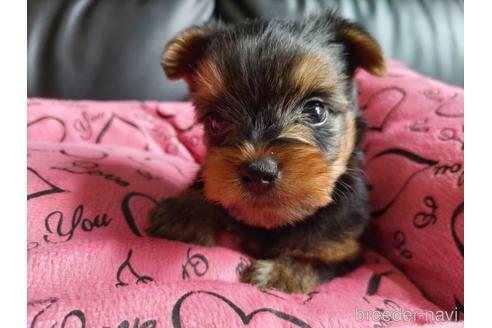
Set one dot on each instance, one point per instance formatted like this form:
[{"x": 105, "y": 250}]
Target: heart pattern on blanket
[
  {"x": 129, "y": 215},
  {"x": 245, "y": 317},
  {"x": 394, "y": 184},
  {"x": 95, "y": 169},
  {"x": 414, "y": 157},
  {"x": 387, "y": 100},
  {"x": 117, "y": 128},
  {"x": 56, "y": 126},
  {"x": 39, "y": 186}
]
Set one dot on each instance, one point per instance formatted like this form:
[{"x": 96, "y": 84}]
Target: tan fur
[
  {"x": 314, "y": 73},
  {"x": 285, "y": 273},
  {"x": 296, "y": 270},
  {"x": 208, "y": 84},
  {"x": 347, "y": 144},
  {"x": 306, "y": 183},
  {"x": 298, "y": 132},
  {"x": 298, "y": 194},
  {"x": 182, "y": 51},
  {"x": 330, "y": 251},
  {"x": 366, "y": 50}
]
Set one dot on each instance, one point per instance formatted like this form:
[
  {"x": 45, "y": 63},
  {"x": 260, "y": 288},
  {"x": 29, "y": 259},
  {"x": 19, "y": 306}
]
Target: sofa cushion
[
  {"x": 94, "y": 171},
  {"x": 414, "y": 150},
  {"x": 106, "y": 49}
]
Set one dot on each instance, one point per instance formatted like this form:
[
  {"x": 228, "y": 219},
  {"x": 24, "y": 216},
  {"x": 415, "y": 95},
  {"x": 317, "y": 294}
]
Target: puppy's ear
[
  {"x": 362, "y": 49},
  {"x": 181, "y": 55}
]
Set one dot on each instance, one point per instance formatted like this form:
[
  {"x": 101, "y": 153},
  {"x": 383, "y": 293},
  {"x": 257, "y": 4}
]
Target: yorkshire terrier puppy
[{"x": 283, "y": 130}]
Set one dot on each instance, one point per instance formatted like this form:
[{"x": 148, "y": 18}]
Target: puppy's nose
[{"x": 259, "y": 175}]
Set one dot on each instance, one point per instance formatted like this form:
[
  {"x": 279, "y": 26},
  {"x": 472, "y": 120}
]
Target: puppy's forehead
[{"x": 267, "y": 71}]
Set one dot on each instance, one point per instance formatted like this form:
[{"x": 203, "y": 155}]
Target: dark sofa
[{"x": 110, "y": 49}]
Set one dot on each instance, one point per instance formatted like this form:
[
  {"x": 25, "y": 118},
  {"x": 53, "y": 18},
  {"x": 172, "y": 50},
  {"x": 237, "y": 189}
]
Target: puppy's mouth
[
  {"x": 264, "y": 199},
  {"x": 269, "y": 186}
]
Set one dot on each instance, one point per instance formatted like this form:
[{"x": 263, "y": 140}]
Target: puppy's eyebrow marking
[
  {"x": 310, "y": 71},
  {"x": 313, "y": 74},
  {"x": 297, "y": 132}
]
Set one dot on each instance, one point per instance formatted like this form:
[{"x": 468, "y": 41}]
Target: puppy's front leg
[
  {"x": 187, "y": 217},
  {"x": 299, "y": 271}
]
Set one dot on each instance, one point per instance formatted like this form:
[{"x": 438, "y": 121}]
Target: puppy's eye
[
  {"x": 315, "y": 112},
  {"x": 215, "y": 126}
]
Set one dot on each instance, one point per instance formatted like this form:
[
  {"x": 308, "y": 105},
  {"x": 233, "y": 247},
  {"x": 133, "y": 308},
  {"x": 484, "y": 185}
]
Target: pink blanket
[{"x": 96, "y": 168}]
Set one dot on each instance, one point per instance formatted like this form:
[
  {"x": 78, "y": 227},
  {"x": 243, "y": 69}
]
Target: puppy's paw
[
  {"x": 178, "y": 219},
  {"x": 280, "y": 275},
  {"x": 259, "y": 274}
]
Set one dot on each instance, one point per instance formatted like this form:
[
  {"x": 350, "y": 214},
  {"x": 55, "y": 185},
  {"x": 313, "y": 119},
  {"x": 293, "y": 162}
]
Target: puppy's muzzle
[{"x": 259, "y": 175}]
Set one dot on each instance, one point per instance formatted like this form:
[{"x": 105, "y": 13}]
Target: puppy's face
[{"x": 276, "y": 101}]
